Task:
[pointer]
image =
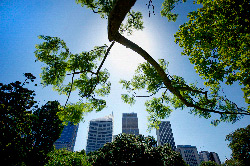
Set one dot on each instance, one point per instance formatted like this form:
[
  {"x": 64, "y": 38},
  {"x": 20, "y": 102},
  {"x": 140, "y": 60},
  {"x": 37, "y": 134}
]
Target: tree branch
[
  {"x": 104, "y": 58},
  {"x": 117, "y": 15},
  {"x": 134, "y": 95},
  {"x": 82, "y": 71},
  {"x": 99, "y": 68},
  {"x": 187, "y": 88}
]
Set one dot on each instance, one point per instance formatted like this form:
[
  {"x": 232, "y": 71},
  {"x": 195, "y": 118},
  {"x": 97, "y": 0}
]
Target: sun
[{"x": 124, "y": 61}]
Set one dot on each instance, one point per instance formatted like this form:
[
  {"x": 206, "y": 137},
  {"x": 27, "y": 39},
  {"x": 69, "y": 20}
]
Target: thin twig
[
  {"x": 99, "y": 68},
  {"x": 104, "y": 58},
  {"x": 72, "y": 81},
  {"x": 193, "y": 90},
  {"x": 82, "y": 71}
]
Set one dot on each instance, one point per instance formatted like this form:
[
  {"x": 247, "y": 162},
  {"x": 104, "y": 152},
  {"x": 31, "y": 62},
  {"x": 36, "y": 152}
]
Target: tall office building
[
  {"x": 68, "y": 137},
  {"x": 165, "y": 135},
  {"x": 100, "y": 132},
  {"x": 209, "y": 156},
  {"x": 130, "y": 123},
  {"x": 189, "y": 154}
]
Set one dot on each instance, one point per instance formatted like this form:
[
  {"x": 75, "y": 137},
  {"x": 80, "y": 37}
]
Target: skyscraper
[
  {"x": 189, "y": 154},
  {"x": 100, "y": 132},
  {"x": 68, "y": 137},
  {"x": 165, "y": 135},
  {"x": 130, "y": 123}
]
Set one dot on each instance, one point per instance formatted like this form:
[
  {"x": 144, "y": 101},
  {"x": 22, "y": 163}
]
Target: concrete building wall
[
  {"x": 100, "y": 132},
  {"x": 204, "y": 155}
]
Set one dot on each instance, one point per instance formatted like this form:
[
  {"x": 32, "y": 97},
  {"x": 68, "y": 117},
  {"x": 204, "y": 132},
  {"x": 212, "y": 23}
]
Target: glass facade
[
  {"x": 130, "y": 123},
  {"x": 165, "y": 135},
  {"x": 189, "y": 154},
  {"x": 100, "y": 132},
  {"x": 68, "y": 137}
]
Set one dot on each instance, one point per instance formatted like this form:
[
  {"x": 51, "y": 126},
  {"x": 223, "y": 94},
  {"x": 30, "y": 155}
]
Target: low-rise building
[{"x": 189, "y": 154}]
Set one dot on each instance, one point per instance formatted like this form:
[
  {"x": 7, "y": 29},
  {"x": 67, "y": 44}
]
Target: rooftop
[{"x": 105, "y": 118}]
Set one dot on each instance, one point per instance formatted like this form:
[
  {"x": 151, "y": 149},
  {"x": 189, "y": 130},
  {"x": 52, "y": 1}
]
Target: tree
[
  {"x": 93, "y": 84},
  {"x": 27, "y": 133},
  {"x": 128, "y": 149},
  {"x": 240, "y": 145},
  {"x": 209, "y": 163},
  {"x": 46, "y": 129},
  {"x": 66, "y": 158},
  {"x": 16, "y": 119},
  {"x": 216, "y": 38}
]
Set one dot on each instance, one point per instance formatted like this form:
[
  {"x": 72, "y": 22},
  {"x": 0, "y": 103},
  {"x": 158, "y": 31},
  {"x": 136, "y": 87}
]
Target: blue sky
[{"x": 21, "y": 21}]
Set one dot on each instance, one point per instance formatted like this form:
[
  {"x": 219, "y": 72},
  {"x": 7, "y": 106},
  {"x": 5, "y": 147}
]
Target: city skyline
[
  {"x": 164, "y": 134},
  {"x": 23, "y": 21}
]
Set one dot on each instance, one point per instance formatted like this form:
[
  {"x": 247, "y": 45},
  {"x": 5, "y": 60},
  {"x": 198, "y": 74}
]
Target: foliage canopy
[
  {"x": 128, "y": 149},
  {"x": 240, "y": 145},
  {"x": 92, "y": 81},
  {"x": 216, "y": 38},
  {"x": 27, "y": 133},
  {"x": 66, "y": 158},
  {"x": 209, "y": 163}
]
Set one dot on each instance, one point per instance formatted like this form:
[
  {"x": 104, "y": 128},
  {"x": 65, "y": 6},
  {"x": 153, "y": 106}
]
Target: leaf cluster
[
  {"x": 66, "y": 158},
  {"x": 102, "y": 7},
  {"x": 209, "y": 163},
  {"x": 167, "y": 8},
  {"x": 134, "y": 22},
  {"x": 91, "y": 81}
]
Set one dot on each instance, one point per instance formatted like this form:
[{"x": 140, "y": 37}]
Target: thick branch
[{"x": 117, "y": 15}]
